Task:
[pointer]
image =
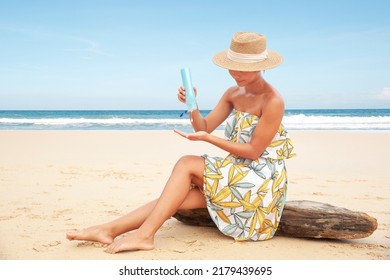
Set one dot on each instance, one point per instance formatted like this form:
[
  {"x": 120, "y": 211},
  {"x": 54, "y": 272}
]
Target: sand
[{"x": 52, "y": 182}]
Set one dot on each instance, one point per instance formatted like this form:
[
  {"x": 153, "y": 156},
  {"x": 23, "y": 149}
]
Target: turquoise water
[{"x": 347, "y": 119}]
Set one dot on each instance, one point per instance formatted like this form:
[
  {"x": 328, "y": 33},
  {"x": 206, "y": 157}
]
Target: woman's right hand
[{"x": 181, "y": 94}]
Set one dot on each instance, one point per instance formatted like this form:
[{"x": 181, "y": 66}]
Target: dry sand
[{"x": 52, "y": 182}]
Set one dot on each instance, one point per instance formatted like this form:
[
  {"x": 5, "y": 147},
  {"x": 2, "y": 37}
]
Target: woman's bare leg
[
  {"x": 106, "y": 233},
  {"x": 186, "y": 170}
]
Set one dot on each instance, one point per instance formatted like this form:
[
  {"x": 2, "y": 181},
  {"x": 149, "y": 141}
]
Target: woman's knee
[{"x": 192, "y": 164}]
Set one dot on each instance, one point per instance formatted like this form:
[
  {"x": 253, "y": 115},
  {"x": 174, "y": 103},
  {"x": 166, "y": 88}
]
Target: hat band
[{"x": 247, "y": 57}]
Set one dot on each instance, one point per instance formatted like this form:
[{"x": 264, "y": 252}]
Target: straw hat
[{"x": 248, "y": 52}]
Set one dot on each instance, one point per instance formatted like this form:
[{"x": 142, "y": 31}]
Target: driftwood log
[{"x": 302, "y": 218}]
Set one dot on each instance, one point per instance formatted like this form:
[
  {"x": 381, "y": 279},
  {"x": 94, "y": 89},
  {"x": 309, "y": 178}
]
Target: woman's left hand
[{"x": 197, "y": 136}]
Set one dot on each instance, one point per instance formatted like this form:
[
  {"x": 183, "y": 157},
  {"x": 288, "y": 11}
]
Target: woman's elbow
[{"x": 254, "y": 156}]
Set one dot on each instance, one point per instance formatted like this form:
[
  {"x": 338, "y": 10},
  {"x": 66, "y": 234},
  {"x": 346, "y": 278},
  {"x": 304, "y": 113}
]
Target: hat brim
[{"x": 274, "y": 59}]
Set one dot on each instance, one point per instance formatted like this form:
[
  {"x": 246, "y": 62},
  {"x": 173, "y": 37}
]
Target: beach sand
[{"x": 52, "y": 182}]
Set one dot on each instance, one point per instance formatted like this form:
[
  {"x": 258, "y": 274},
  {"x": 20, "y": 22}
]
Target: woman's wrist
[{"x": 197, "y": 120}]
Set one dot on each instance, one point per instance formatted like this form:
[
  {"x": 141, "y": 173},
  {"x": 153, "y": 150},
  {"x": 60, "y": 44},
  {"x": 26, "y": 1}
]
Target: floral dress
[{"x": 245, "y": 198}]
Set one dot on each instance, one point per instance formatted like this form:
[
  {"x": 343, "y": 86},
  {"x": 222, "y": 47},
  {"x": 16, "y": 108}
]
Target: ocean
[{"x": 340, "y": 119}]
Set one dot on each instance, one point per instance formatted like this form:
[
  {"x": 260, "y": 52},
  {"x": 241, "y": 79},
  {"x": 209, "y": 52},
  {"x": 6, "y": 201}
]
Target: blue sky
[{"x": 84, "y": 54}]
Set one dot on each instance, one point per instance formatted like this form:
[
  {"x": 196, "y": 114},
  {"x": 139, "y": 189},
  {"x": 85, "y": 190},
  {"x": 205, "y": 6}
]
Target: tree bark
[{"x": 303, "y": 218}]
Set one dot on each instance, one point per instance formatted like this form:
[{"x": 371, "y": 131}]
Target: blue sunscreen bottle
[{"x": 190, "y": 94}]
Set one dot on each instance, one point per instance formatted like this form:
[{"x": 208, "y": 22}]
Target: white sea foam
[
  {"x": 302, "y": 121},
  {"x": 292, "y": 122},
  {"x": 86, "y": 121}
]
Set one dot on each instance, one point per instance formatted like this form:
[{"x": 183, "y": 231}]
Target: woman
[{"x": 244, "y": 192}]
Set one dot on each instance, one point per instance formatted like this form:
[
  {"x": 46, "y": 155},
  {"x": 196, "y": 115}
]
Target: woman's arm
[
  {"x": 214, "y": 118},
  {"x": 244, "y": 150},
  {"x": 267, "y": 127},
  {"x": 262, "y": 136}
]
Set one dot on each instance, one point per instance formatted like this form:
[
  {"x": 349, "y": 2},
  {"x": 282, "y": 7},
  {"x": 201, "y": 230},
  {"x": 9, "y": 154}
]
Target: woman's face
[{"x": 244, "y": 78}]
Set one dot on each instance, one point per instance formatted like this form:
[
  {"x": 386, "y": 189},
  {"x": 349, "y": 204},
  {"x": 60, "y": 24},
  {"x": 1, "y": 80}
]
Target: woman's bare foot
[
  {"x": 131, "y": 242},
  {"x": 96, "y": 233}
]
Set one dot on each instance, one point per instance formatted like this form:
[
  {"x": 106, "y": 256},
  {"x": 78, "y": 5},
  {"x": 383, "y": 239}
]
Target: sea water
[{"x": 340, "y": 119}]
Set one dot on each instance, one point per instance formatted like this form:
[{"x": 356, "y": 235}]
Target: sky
[{"x": 127, "y": 55}]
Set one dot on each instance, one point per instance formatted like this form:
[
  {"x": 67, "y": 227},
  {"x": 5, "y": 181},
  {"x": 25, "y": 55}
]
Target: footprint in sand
[
  {"x": 91, "y": 244},
  {"x": 60, "y": 213},
  {"x": 318, "y": 193},
  {"x": 113, "y": 212},
  {"x": 9, "y": 217},
  {"x": 46, "y": 247}
]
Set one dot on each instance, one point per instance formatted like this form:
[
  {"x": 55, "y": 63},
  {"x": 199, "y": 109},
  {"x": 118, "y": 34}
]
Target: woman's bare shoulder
[
  {"x": 273, "y": 96},
  {"x": 232, "y": 90}
]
